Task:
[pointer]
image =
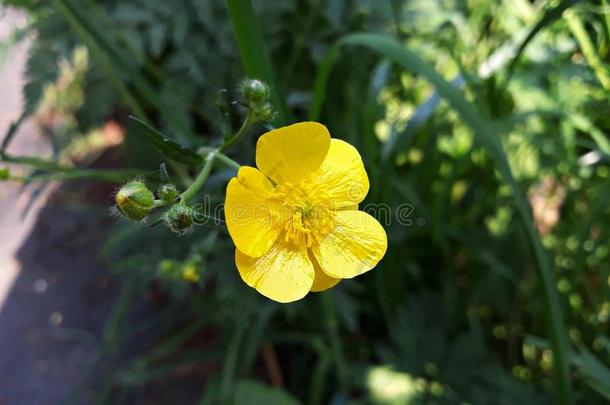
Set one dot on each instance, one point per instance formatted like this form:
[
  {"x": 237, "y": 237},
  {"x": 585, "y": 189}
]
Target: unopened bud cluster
[
  {"x": 135, "y": 202},
  {"x": 256, "y": 94}
]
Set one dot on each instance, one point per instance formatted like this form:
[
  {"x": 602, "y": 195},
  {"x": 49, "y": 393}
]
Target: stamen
[{"x": 308, "y": 210}]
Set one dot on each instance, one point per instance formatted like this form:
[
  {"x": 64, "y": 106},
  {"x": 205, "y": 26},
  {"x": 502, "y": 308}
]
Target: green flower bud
[
  {"x": 167, "y": 193},
  {"x": 166, "y": 268},
  {"x": 179, "y": 219},
  {"x": 263, "y": 112},
  {"x": 134, "y": 200},
  {"x": 4, "y": 174},
  {"x": 255, "y": 91}
]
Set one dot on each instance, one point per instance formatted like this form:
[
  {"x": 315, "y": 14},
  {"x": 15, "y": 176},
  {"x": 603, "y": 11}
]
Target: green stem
[
  {"x": 38, "y": 163},
  {"x": 201, "y": 178},
  {"x": 221, "y": 157},
  {"x": 335, "y": 339},
  {"x": 214, "y": 154},
  {"x": 243, "y": 130},
  {"x": 60, "y": 172}
]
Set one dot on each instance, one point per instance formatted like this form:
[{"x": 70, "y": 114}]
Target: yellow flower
[{"x": 295, "y": 219}]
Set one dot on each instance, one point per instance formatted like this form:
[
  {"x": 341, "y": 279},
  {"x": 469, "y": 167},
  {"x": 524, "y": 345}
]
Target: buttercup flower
[{"x": 295, "y": 220}]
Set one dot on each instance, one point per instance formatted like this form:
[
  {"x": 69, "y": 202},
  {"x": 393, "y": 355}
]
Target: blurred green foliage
[{"x": 456, "y": 312}]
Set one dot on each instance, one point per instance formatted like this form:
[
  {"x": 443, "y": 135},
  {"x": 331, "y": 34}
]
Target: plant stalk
[{"x": 194, "y": 188}]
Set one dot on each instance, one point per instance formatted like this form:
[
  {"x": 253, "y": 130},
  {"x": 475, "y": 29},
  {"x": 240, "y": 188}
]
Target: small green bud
[
  {"x": 167, "y": 193},
  {"x": 263, "y": 112},
  {"x": 179, "y": 219},
  {"x": 134, "y": 200},
  {"x": 4, "y": 173},
  {"x": 255, "y": 91},
  {"x": 166, "y": 267}
]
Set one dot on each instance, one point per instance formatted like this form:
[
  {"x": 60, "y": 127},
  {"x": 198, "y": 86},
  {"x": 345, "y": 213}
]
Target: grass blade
[
  {"x": 230, "y": 363},
  {"x": 549, "y": 17},
  {"x": 594, "y": 372},
  {"x": 588, "y": 49},
  {"x": 254, "y": 56},
  {"x": 485, "y": 136},
  {"x": 320, "y": 84}
]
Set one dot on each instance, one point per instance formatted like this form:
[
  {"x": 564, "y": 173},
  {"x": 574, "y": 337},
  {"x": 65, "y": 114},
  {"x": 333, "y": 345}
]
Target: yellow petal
[
  {"x": 251, "y": 215},
  {"x": 283, "y": 274},
  {"x": 355, "y": 246},
  {"x": 343, "y": 173},
  {"x": 321, "y": 281},
  {"x": 289, "y": 153}
]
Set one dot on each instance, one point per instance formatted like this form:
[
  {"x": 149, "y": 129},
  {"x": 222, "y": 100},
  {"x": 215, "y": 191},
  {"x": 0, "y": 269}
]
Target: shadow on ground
[
  {"x": 54, "y": 322},
  {"x": 53, "y": 317}
]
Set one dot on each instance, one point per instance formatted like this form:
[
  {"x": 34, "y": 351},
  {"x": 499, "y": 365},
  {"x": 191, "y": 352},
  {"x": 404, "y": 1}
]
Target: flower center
[{"x": 307, "y": 212}]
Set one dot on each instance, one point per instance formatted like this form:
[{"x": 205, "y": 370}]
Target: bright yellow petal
[
  {"x": 283, "y": 274},
  {"x": 343, "y": 173},
  {"x": 321, "y": 281},
  {"x": 289, "y": 153},
  {"x": 355, "y": 246},
  {"x": 250, "y": 213}
]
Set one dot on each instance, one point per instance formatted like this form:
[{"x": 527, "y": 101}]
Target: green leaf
[
  {"x": 549, "y": 17},
  {"x": 85, "y": 20},
  {"x": 164, "y": 145},
  {"x": 594, "y": 372},
  {"x": 485, "y": 135},
  {"x": 254, "y": 393}
]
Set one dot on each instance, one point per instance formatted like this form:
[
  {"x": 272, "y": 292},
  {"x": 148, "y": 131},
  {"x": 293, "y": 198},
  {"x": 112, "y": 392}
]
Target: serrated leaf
[{"x": 164, "y": 145}]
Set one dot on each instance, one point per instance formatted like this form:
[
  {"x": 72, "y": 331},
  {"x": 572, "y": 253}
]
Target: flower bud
[
  {"x": 179, "y": 219},
  {"x": 263, "y": 112},
  {"x": 255, "y": 91},
  {"x": 190, "y": 273},
  {"x": 167, "y": 193},
  {"x": 134, "y": 200}
]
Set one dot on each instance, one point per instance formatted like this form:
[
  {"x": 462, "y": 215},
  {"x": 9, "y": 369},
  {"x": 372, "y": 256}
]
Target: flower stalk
[
  {"x": 216, "y": 153},
  {"x": 243, "y": 130},
  {"x": 192, "y": 190}
]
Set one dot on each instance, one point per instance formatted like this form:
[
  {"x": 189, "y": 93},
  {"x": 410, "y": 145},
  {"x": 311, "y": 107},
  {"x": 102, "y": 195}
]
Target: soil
[{"x": 52, "y": 319}]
